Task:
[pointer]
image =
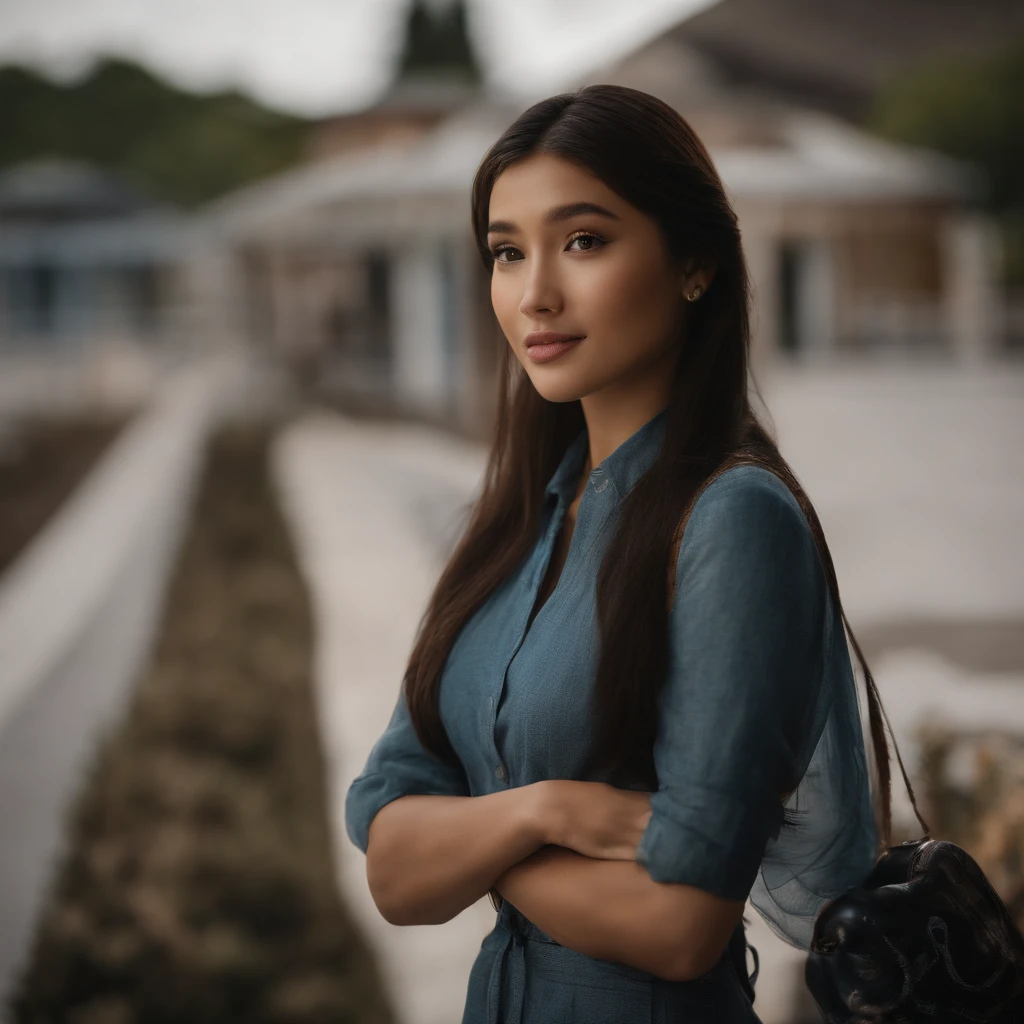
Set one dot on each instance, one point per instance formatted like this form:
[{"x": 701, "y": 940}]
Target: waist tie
[{"x": 511, "y": 956}]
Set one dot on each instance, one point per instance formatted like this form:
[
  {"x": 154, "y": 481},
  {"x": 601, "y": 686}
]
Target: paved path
[
  {"x": 372, "y": 508},
  {"x": 917, "y": 475}
]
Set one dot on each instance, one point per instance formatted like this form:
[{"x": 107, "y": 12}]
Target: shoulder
[
  {"x": 744, "y": 492},
  {"x": 748, "y": 554},
  {"x": 748, "y": 510}
]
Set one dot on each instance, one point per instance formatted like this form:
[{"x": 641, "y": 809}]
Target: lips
[
  {"x": 549, "y": 338},
  {"x": 540, "y": 350}
]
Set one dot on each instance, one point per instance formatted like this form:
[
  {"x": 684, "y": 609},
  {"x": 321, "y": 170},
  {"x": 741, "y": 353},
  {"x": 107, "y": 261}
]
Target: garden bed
[
  {"x": 42, "y": 462},
  {"x": 198, "y": 885}
]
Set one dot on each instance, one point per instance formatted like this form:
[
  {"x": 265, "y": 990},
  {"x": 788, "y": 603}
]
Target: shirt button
[
  {"x": 500, "y": 771},
  {"x": 598, "y": 480}
]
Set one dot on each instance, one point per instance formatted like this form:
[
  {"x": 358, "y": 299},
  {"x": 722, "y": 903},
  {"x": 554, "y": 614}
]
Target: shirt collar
[{"x": 622, "y": 468}]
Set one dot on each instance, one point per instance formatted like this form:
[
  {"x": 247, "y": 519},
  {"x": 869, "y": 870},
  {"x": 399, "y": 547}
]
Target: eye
[
  {"x": 497, "y": 250},
  {"x": 587, "y": 236},
  {"x": 590, "y": 237}
]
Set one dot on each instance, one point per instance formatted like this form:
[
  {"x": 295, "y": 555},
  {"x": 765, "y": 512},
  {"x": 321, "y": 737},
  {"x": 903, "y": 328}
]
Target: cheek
[
  {"x": 624, "y": 289},
  {"x": 505, "y": 298},
  {"x": 629, "y": 298}
]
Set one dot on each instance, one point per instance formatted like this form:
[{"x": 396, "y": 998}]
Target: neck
[{"x": 614, "y": 414}]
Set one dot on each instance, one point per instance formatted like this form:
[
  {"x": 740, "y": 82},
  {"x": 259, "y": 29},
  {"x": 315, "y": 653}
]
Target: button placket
[{"x": 531, "y": 581}]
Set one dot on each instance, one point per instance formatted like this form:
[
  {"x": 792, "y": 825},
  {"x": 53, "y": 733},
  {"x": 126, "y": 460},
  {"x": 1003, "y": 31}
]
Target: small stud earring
[{"x": 695, "y": 294}]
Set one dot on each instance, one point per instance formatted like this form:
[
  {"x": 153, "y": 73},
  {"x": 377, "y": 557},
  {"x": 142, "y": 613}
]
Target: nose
[{"x": 541, "y": 290}]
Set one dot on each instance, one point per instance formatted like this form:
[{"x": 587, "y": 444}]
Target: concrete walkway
[
  {"x": 918, "y": 477},
  {"x": 371, "y": 509}
]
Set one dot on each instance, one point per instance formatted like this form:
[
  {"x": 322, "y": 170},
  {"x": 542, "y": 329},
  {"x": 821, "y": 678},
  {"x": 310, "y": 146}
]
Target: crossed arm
[{"x": 611, "y": 909}]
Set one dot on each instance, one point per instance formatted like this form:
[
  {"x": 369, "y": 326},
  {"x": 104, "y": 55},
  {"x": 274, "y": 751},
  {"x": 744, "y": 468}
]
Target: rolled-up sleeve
[
  {"x": 398, "y": 765},
  {"x": 747, "y": 642}
]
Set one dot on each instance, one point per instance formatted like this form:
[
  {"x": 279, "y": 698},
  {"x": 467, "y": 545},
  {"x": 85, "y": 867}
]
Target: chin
[
  {"x": 559, "y": 395},
  {"x": 562, "y": 384}
]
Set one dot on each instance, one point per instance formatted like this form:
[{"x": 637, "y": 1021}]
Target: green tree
[
  {"x": 971, "y": 108},
  {"x": 437, "y": 42},
  {"x": 183, "y": 146}
]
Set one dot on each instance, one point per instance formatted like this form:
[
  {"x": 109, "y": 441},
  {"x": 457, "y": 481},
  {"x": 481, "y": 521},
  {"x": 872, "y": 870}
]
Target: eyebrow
[{"x": 556, "y": 213}]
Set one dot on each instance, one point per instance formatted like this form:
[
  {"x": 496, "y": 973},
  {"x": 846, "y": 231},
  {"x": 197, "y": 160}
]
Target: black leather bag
[{"x": 925, "y": 938}]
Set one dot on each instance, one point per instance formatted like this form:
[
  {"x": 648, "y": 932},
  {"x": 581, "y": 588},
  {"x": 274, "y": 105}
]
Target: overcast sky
[{"x": 321, "y": 56}]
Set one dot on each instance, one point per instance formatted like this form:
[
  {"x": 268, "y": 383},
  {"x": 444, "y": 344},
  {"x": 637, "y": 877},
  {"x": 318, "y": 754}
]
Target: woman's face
[{"x": 605, "y": 276}]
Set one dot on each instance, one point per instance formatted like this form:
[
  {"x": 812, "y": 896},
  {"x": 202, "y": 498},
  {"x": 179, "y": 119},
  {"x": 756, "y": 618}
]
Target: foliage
[
  {"x": 198, "y": 885},
  {"x": 437, "y": 41},
  {"x": 184, "y": 147},
  {"x": 970, "y": 108}
]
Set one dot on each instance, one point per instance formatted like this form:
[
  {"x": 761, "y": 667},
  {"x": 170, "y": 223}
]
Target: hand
[{"x": 593, "y": 818}]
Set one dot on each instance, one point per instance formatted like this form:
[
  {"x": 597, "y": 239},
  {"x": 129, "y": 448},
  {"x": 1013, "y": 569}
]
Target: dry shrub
[{"x": 974, "y": 794}]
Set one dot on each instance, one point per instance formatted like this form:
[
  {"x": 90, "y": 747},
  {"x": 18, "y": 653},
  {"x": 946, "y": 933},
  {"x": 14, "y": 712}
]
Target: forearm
[
  {"x": 603, "y": 908},
  {"x": 430, "y": 857}
]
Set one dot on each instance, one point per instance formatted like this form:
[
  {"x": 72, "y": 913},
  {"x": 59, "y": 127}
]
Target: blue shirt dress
[{"x": 760, "y": 690}]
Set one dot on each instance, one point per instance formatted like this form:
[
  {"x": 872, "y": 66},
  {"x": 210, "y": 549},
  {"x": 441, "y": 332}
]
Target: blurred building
[
  {"x": 362, "y": 272},
  {"x": 359, "y": 267},
  {"x": 437, "y": 72},
  {"x": 856, "y": 245},
  {"x": 84, "y": 253},
  {"x": 96, "y": 286},
  {"x": 358, "y": 271}
]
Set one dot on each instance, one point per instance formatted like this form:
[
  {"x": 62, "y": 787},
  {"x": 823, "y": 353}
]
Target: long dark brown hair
[{"x": 646, "y": 152}]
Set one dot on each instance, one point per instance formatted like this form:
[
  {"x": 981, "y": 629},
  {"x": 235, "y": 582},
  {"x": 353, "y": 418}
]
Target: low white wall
[{"x": 77, "y": 614}]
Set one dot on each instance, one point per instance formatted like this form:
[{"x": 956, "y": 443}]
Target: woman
[{"x": 623, "y": 772}]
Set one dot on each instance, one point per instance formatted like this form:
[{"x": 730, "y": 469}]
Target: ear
[
  {"x": 694, "y": 274},
  {"x": 686, "y": 277}
]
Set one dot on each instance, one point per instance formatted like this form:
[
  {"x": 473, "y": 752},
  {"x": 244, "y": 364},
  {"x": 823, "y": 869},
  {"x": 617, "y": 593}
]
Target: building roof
[
  {"x": 823, "y": 158},
  {"x": 801, "y": 155},
  {"x": 72, "y": 212},
  {"x": 440, "y": 163},
  {"x": 61, "y": 190},
  {"x": 836, "y": 54}
]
